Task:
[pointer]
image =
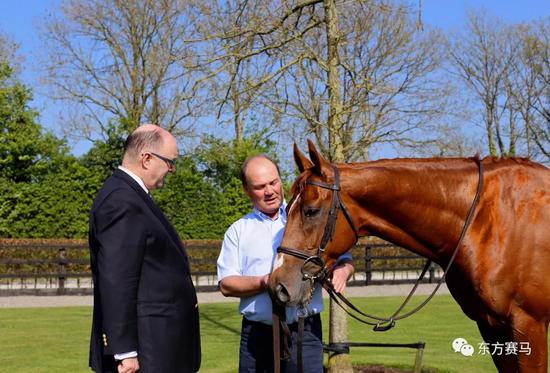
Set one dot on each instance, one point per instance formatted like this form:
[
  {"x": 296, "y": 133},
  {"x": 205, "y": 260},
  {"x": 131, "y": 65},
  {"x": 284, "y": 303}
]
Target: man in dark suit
[{"x": 145, "y": 306}]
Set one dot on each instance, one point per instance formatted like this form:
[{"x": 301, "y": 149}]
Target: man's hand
[
  {"x": 340, "y": 276},
  {"x": 130, "y": 365},
  {"x": 243, "y": 286}
]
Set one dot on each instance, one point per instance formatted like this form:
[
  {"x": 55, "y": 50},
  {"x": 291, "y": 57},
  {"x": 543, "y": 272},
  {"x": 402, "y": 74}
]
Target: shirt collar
[
  {"x": 282, "y": 213},
  {"x": 135, "y": 177}
]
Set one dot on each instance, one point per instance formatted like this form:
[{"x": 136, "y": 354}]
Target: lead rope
[
  {"x": 286, "y": 338},
  {"x": 280, "y": 329},
  {"x": 276, "y": 343},
  {"x": 299, "y": 345},
  {"x": 278, "y": 324}
]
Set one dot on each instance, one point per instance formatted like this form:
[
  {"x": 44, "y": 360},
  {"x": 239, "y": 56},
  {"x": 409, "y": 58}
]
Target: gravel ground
[{"x": 213, "y": 297}]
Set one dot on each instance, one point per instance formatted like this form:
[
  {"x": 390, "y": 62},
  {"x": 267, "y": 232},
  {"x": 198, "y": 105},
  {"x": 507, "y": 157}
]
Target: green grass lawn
[
  {"x": 438, "y": 324},
  {"x": 56, "y": 339}
]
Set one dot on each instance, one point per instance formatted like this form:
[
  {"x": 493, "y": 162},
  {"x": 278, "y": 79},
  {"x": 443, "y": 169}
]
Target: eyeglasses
[{"x": 170, "y": 162}]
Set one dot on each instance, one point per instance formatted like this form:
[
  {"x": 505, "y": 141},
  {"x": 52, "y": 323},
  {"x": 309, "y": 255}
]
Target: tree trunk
[
  {"x": 337, "y": 363},
  {"x": 338, "y": 333},
  {"x": 334, "y": 120},
  {"x": 490, "y": 134},
  {"x": 237, "y": 119}
]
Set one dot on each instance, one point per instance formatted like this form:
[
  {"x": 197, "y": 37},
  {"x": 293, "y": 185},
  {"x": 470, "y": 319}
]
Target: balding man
[
  {"x": 246, "y": 259},
  {"x": 145, "y": 306}
]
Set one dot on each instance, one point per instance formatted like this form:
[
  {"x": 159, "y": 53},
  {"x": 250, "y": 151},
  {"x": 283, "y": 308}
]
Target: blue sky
[{"x": 20, "y": 19}]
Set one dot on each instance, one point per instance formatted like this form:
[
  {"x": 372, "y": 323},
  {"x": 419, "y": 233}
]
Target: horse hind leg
[{"x": 498, "y": 336}]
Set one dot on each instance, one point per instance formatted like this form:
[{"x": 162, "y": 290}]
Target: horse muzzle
[
  {"x": 289, "y": 289},
  {"x": 281, "y": 294}
]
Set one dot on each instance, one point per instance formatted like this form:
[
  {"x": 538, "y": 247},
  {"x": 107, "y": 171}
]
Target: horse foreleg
[
  {"x": 531, "y": 336},
  {"x": 498, "y": 336}
]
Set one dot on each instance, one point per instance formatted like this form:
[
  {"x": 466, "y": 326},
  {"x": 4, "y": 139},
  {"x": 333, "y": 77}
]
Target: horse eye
[{"x": 310, "y": 212}]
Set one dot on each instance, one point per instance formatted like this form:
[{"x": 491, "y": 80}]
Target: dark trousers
[{"x": 256, "y": 352}]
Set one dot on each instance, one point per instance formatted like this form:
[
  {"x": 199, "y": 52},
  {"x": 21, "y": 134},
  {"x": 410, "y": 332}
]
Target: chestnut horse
[{"x": 499, "y": 275}]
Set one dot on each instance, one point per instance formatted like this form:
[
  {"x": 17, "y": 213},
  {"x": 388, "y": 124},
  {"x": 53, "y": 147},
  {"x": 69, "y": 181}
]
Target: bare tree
[
  {"x": 485, "y": 57},
  {"x": 449, "y": 140},
  {"x": 234, "y": 77},
  {"x": 504, "y": 66},
  {"x": 522, "y": 88},
  {"x": 537, "y": 55},
  {"x": 121, "y": 60},
  {"x": 388, "y": 82},
  {"x": 8, "y": 52},
  {"x": 350, "y": 81}
]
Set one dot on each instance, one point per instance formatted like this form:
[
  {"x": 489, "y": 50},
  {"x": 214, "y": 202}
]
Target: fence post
[
  {"x": 62, "y": 272},
  {"x": 368, "y": 264},
  {"x": 418, "y": 358}
]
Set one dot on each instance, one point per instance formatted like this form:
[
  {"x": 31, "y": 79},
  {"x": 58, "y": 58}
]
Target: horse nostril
[{"x": 282, "y": 294}]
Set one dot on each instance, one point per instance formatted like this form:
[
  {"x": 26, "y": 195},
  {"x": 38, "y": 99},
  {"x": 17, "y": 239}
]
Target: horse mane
[{"x": 494, "y": 161}]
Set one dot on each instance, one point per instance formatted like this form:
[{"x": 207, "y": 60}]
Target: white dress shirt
[{"x": 249, "y": 249}]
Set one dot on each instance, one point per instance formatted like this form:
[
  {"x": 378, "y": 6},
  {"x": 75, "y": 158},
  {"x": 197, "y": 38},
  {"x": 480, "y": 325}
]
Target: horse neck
[{"x": 418, "y": 204}]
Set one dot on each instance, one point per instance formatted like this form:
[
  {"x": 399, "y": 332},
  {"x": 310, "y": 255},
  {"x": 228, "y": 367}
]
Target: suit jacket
[{"x": 144, "y": 298}]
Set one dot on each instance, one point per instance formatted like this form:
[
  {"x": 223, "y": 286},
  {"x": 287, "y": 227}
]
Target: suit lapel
[{"x": 172, "y": 233}]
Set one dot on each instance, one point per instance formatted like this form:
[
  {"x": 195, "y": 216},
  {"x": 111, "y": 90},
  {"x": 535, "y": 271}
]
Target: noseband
[{"x": 336, "y": 205}]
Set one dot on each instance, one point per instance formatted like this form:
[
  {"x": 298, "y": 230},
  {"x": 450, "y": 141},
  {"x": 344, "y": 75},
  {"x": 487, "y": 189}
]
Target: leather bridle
[
  {"x": 381, "y": 323},
  {"x": 336, "y": 205},
  {"x": 317, "y": 261}
]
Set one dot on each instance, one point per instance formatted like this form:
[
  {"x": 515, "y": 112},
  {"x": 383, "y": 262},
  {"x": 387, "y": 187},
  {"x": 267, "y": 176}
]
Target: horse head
[{"x": 319, "y": 229}]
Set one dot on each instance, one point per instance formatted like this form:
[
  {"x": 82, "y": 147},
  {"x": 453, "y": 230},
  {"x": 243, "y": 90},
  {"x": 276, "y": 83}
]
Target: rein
[
  {"x": 282, "y": 339},
  {"x": 381, "y": 323}
]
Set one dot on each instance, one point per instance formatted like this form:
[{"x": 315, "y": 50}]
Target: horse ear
[
  {"x": 319, "y": 162},
  {"x": 301, "y": 160}
]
